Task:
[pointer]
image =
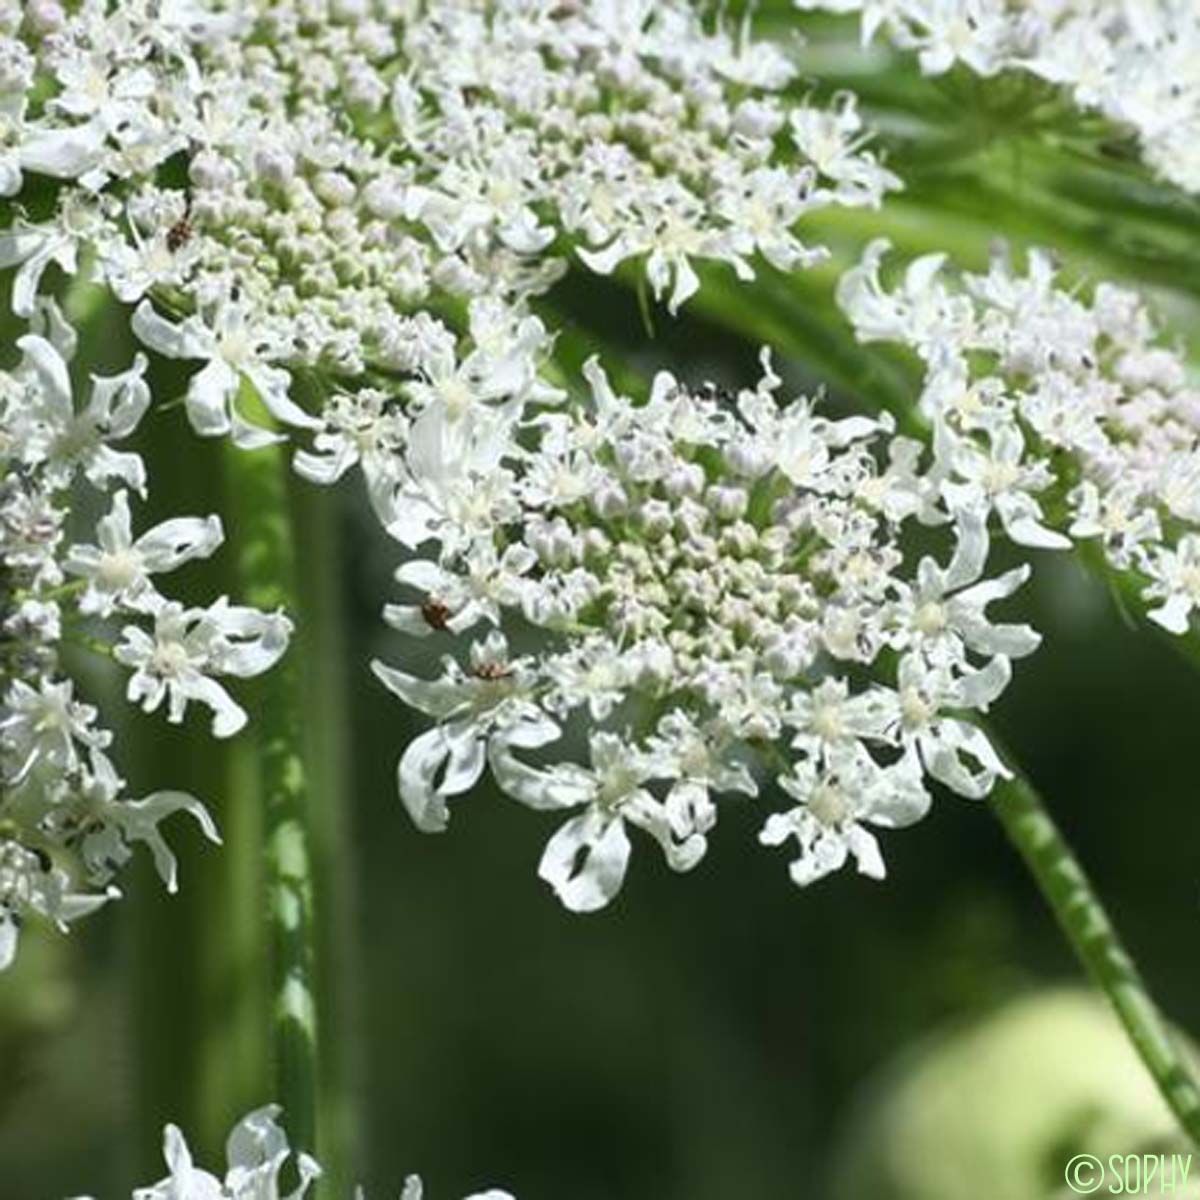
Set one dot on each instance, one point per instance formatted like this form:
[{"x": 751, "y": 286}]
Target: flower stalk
[
  {"x": 267, "y": 567},
  {"x": 1077, "y": 908}
]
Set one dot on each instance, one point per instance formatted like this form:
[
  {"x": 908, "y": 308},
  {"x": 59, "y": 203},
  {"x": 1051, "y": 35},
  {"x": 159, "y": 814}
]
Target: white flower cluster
[
  {"x": 354, "y": 169},
  {"x": 1132, "y": 60},
  {"x": 1065, "y": 416},
  {"x": 66, "y": 825},
  {"x": 297, "y": 179},
  {"x": 719, "y": 594},
  {"x": 257, "y": 1152}
]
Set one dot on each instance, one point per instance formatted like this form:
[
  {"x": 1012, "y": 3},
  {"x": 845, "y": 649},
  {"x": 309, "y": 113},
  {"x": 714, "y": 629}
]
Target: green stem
[
  {"x": 267, "y": 570},
  {"x": 322, "y": 641},
  {"x": 1082, "y": 918}
]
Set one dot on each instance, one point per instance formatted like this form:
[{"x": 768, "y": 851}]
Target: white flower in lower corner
[
  {"x": 837, "y": 802},
  {"x": 189, "y": 646},
  {"x": 256, "y": 1151},
  {"x": 117, "y": 570}
]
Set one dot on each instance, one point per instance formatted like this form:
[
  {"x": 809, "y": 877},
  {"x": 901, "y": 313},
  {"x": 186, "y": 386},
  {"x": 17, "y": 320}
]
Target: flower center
[
  {"x": 170, "y": 659},
  {"x": 828, "y": 804},
  {"x": 827, "y": 722},
  {"x": 930, "y": 618},
  {"x": 119, "y": 569},
  {"x": 236, "y": 347},
  {"x": 1191, "y": 581},
  {"x": 914, "y": 708},
  {"x": 456, "y": 395},
  {"x": 1000, "y": 476}
]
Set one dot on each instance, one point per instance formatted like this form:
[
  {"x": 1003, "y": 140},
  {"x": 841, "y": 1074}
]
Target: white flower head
[
  {"x": 118, "y": 568},
  {"x": 189, "y": 647}
]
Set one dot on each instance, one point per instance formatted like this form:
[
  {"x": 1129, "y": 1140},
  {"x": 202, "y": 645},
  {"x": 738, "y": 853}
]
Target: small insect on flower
[
  {"x": 179, "y": 234},
  {"x": 436, "y": 614},
  {"x": 491, "y": 670}
]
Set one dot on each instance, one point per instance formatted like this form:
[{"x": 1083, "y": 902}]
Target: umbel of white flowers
[
  {"x": 330, "y": 202},
  {"x": 257, "y": 1152},
  {"x": 724, "y": 586},
  {"x": 350, "y": 166},
  {"x": 66, "y": 823},
  {"x": 723, "y": 595},
  {"x": 1134, "y": 61},
  {"x": 1043, "y": 400}
]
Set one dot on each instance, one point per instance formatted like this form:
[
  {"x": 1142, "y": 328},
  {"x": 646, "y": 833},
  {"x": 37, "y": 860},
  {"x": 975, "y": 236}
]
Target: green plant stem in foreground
[
  {"x": 267, "y": 570},
  {"x": 1069, "y": 893}
]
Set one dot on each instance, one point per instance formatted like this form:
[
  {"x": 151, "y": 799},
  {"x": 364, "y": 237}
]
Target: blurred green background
[{"x": 710, "y": 1036}]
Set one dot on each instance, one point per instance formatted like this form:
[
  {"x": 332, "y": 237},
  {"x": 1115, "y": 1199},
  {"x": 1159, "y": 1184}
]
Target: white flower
[
  {"x": 585, "y": 861},
  {"x": 710, "y": 580},
  {"x": 1129, "y": 61},
  {"x": 47, "y": 725},
  {"x": 944, "y": 614},
  {"x": 836, "y": 803},
  {"x": 66, "y": 441},
  {"x": 833, "y": 140},
  {"x": 118, "y": 569},
  {"x": 1039, "y": 393},
  {"x": 256, "y": 1151},
  {"x": 1175, "y": 584},
  {"x": 455, "y": 487},
  {"x": 488, "y": 706},
  {"x": 456, "y": 601},
  {"x": 915, "y": 716},
  {"x": 111, "y": 822},
  {"x": 1122, "y": 516},
  {"x": 30, "y": 883},
  {"x": 367, "y": 429},
  {"x": 190, "y": 646},
  {"x": 675, "y": 235},
  {"x": 33, "y": 248},
  {"x": 238, "y": 349},
  {"x": 998, "y": 479}
]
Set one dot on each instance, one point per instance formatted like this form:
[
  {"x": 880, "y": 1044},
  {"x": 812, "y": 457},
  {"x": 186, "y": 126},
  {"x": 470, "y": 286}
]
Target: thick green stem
[
  {"x": 267, "y": 570},
  {"x": 323, "y": 662},
  {"x": 1082, "y": 918}
]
